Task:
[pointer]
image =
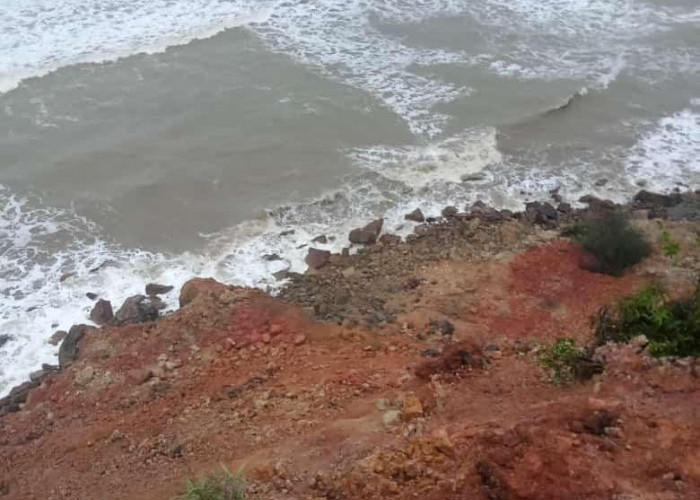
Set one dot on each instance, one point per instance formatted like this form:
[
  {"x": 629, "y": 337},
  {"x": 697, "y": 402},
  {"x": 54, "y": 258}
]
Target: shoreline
[
  {"x": 335, "y": 271},
  {"x": 421, "y": 355}
]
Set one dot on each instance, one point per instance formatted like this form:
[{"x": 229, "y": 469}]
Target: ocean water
[{"x": 157, "y": 140}]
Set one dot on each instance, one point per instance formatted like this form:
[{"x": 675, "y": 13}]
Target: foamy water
[{"x": 404, "y": 55}]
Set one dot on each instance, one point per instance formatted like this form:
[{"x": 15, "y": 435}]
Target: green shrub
[
  {"x": 223, "y": 485},
  {"x": 568, "y": 362},
  {"x": 670, "y": 248},
  {"x": 614, "y": 243},
  {"x": 672, "y": 327}
]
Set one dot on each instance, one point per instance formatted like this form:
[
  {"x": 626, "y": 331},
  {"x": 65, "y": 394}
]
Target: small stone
[
  {"x": 415, "y": 216},
  {"x": 5, "y": 338},
  {"x": 176, "y": 450},
  {"x": 299, "y": 339},
  {"x": 91, "y": 296},
  {"x": 173, "y": 365},
  {"x": 57, "y": 337},
  {"x": 116, "y": 436},
  {"x": 412, "y": 408},
  {"x": 275, "y": 329},
  {"x": 156, "y": 289},
  {"x": 84, "y": 376},
  {"x": 382, "y": 404},
  {"x": 391, "y": 417},
  {"x": 266, "y": 338},
  {"x": 322, "y": 239}
]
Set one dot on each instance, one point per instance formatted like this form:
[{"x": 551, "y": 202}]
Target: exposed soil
[{"x": 407, "y": 371}]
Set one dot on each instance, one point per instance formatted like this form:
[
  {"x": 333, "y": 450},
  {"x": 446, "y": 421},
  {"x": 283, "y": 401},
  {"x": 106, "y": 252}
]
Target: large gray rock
[
  {"x": 102, "y": 314},
  {"x": 68, "y": 352},
  {"x": 316, "y": 258},
  {"x": 136, "y": 309},
  {"x": 367, "y": 235}
]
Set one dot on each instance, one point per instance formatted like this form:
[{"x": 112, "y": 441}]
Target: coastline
[
  {"x": 331, "y": 291},
  {"x": 357, "y": 350}
]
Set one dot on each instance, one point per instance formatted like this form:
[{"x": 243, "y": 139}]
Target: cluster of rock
[
  {"x": 340, "y": 290},
  {"x": 341, "y": 287},
  {"x": 136, "y": 309}
]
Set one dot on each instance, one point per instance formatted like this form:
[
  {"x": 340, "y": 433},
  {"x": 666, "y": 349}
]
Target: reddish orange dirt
[{"x": 313, "y": 410}]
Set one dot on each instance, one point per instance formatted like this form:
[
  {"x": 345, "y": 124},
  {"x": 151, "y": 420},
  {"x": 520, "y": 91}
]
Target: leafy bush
[
  {"x": 672, "y": 327},
  {"x": 670, "y": 248},
  {"x": 568, "y": 362},
  {"x": 614, "y": 243},
  {"x": 223, "y": 485}
]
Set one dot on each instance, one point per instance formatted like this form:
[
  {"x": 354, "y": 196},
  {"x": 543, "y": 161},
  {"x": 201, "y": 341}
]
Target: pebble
[{"x": 391, "y": 417}]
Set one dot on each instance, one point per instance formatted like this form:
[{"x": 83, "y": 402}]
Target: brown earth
[{"x": 425, "y": 383}]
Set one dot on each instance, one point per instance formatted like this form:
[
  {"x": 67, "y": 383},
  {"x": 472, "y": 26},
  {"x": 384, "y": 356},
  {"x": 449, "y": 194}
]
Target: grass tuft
[
  {"x": 672, "y": 327},
  {"x": 223, "y": 485},
  {"x": 670, "y": 247},
  {"x": 567, "y": 362}
]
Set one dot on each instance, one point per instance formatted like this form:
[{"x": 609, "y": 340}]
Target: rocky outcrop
[
  {"x": 102, "y": 314},
  {"x": 200, "y": 286},
  {"x": 137, "y": 309},
  {"x": 367, "y": 235}
]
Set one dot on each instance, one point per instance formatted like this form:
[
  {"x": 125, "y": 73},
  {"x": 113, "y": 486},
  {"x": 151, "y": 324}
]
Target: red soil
[{"x": 239, "y": 378}]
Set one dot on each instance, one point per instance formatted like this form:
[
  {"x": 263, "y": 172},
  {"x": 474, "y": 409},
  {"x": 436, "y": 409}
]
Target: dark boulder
[
  {"x": 449, "y": 211},
  {"x": 17, "y": 397},
  {"x": 543, "y": 214},
  {"x": 136, "y": 309},
  {"x": 91, "y": 296},
  {"x": 649, "y": 200},
  {"x": 4, "y": 339},
  {"x": 102, "y": 314},
  {"x": 367, "y": 235},
  {"x": 564, "y": 208},
  {"x": 68, "y": 352},
  {"x": 322, "y": 239},
  {"x": 316, "y": 258},
  {"x": 156, "y": 289},
  {"x": 415, "y": 216},
  {"x": 596, "y": 204}
]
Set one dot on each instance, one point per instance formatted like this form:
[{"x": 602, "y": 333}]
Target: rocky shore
[{"x": 403, "y": 368}]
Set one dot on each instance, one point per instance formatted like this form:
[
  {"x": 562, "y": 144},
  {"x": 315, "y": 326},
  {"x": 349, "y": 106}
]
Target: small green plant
[
  {"x": 614, "y": 243},
  {"x": 672, "y": 327},
  {"x": 567, "y": 362},
  {"x": 223, "y": 485},
  {"x": 575, "y": 230},
  {"x": 670, "y": 247}
]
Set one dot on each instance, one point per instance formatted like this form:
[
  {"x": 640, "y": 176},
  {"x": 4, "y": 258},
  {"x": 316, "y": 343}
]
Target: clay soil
[{"x": 400, "y": 373}]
